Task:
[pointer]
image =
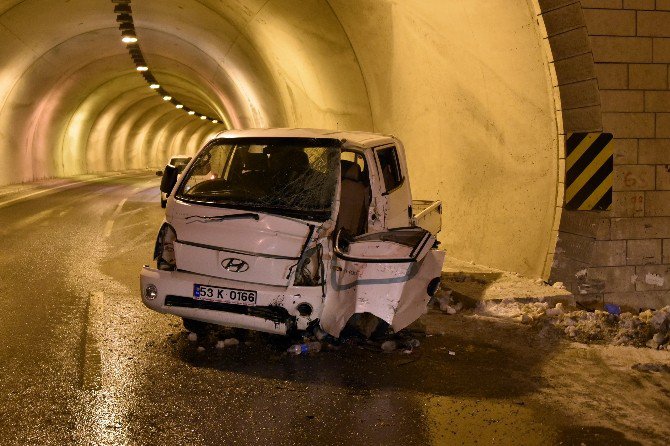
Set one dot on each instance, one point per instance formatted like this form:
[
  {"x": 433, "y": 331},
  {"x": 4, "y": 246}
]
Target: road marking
[
  {"x": 51, "y": 189},
  {"x": 110, "y": 222},
  {"x": 91, "y": 359}
]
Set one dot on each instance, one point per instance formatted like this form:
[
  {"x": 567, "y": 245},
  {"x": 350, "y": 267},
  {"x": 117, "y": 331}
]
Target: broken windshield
[{"x": 288, "y": 176}]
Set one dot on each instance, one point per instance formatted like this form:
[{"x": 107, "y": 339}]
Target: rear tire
[{"x": 194, "y": 326}]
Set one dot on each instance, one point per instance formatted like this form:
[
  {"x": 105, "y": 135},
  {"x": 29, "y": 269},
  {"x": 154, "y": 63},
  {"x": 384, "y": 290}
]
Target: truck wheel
[
  {"x": 163, "y": 203},
  {"x": 194, "y": 326}
]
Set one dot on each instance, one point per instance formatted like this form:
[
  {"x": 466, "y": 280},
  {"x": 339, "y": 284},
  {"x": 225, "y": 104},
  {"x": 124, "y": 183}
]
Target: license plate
[{"x": 225, "y": 295}]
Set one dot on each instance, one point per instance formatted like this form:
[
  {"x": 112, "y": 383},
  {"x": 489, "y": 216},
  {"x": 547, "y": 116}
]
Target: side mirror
[
  {"x": 169, "y": 179},
  {"x": 159, "y": 173}
]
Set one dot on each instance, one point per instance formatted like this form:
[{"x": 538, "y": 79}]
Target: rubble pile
[{"x": 648, "y": 328}]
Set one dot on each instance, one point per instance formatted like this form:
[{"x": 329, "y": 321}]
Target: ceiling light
[
  {"x": 179, "y": 106},
  {"x": 167, "y": 98},
  {"x": 128, "y": 35},
  {"x": 191, "y": 112},
  {"x": 142, "y": 68},
  {"x": 154, "y": 86},
  {"x": 203, "y": 117},
  {"x": 215, "y": 121}
]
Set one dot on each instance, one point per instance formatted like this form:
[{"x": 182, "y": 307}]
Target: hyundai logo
[{"x": 234, "y": 265}]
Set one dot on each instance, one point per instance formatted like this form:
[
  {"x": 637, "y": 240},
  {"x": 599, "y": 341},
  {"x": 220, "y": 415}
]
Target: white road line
[
  {"x": 91, "y": 361},
  {"x": 51, "y": 189},
  {"x": 110, "y": 222}
]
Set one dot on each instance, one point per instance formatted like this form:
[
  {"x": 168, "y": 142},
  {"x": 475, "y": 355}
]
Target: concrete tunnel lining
[{"x": 466, "y": 87}]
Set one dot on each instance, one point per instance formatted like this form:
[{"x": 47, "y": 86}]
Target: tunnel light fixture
[{"x": 129, "y": 36}]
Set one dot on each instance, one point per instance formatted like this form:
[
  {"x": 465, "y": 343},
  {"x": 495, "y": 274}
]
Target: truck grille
[{"x": 272, "y": 313}]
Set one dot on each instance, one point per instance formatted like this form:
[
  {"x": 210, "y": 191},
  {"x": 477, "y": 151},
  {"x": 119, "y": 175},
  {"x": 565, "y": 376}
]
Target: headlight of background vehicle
[{"x": 164, "y": 250}]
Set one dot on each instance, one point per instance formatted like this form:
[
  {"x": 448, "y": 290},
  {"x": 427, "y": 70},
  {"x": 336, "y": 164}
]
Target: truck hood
[{"x": 242, "y": 245}]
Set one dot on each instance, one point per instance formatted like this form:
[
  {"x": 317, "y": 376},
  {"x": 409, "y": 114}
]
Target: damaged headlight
[{"x": 164, "y": 249}]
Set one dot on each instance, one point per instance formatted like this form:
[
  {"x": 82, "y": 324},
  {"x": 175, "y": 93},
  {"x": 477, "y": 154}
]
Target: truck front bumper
[{"x": 277, "y": 309}]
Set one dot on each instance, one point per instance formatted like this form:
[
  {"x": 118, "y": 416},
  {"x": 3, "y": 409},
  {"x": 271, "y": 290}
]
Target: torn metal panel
[{"x": 383, "y": 277}]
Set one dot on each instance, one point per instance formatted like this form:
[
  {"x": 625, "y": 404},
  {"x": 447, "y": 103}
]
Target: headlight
[
  {"x": 150, "y": 292},
  {"x": 164, "y": 250}
]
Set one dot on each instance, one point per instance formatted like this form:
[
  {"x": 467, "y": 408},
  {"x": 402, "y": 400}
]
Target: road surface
[{"x": 82, "y": 361}]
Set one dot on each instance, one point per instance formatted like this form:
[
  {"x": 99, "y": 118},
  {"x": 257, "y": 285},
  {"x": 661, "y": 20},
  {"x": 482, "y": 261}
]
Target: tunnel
[
  {"x": 483, "y": 95},
  {"x": 467, "y": 86}
]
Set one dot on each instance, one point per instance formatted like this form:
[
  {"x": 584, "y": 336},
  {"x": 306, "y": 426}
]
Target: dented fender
[{"x": 396, "y": 292}]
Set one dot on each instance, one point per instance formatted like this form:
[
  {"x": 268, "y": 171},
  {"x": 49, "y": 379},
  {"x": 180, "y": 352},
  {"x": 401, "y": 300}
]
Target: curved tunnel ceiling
[{"x": 465, "y": 85}]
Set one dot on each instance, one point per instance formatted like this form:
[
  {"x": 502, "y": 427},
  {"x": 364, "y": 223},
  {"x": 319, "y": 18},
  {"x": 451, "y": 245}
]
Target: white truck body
[{"x": 225, "y": 256}]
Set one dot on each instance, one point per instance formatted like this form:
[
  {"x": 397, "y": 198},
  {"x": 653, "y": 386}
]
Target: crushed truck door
[{"x": 389, "y": 274}]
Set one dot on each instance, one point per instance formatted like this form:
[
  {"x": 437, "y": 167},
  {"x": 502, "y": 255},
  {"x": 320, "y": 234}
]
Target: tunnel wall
[
  {"x": 623, "y": 255},
  {"x": 468, "y": 91},
  {"x": 481, "y": 92}
]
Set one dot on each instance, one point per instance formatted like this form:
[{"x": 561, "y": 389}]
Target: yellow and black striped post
[{"x": 589, "y": 167}]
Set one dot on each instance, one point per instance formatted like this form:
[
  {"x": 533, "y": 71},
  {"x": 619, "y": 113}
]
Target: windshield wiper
[{"x": 216, "y": 218}]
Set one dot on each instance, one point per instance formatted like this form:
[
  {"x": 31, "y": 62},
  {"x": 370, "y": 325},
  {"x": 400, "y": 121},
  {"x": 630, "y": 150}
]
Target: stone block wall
[{"x": 629, "y": 261}]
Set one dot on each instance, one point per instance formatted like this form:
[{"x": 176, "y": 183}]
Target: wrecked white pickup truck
[{"x": 282, "y": 229}]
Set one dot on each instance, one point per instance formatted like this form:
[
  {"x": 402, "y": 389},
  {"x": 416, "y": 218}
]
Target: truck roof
[{"x": 361, "y": 139}]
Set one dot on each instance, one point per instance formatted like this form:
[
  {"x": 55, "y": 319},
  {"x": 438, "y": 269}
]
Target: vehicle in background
[
  {"x": 179, "y": 162},
  {"x": 279, "y": 230}
]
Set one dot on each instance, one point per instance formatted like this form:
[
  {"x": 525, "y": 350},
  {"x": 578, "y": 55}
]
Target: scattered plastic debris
[
  {"x": 556, "y": 311},
  {"x": 612, "y": 309},
  {"x": 446, "y": 302},
  {"x": 648, "y": 328},
  {"x": 192, "y": 337},
  {"x": 389, "y": 346},
  {"x": 201, "y": 348},
  {"x": 220, "y": 344},
  {"x": 452, "y": 353},
  {"x": 308, "y": 347},
  {"x": 230, "y": 342},
  {"x": 412, "y": 343}
]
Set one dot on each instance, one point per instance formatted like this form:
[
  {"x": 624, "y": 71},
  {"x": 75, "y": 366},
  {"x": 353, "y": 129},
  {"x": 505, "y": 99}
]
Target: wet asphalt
[{"x": 82, "y": 361}]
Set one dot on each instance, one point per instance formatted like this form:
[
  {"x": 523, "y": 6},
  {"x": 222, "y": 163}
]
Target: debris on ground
[
  {"x": 652, "y": 367},
  {"x": 389, "y": 346},
  {"x": 308, "y": 347},
  {"x": 446, "y": 302},
  {"x": 192, "y": 337},
  {"x": 648, "y": 328},
  {"x": 229, "y": 342}
]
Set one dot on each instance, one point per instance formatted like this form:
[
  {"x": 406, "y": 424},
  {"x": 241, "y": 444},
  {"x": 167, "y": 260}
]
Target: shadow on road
[{"x": 475, "y": 358}]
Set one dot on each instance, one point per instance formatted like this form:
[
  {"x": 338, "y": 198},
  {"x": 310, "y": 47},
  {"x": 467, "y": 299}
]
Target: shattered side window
[{"x": 296, "y": 178}]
